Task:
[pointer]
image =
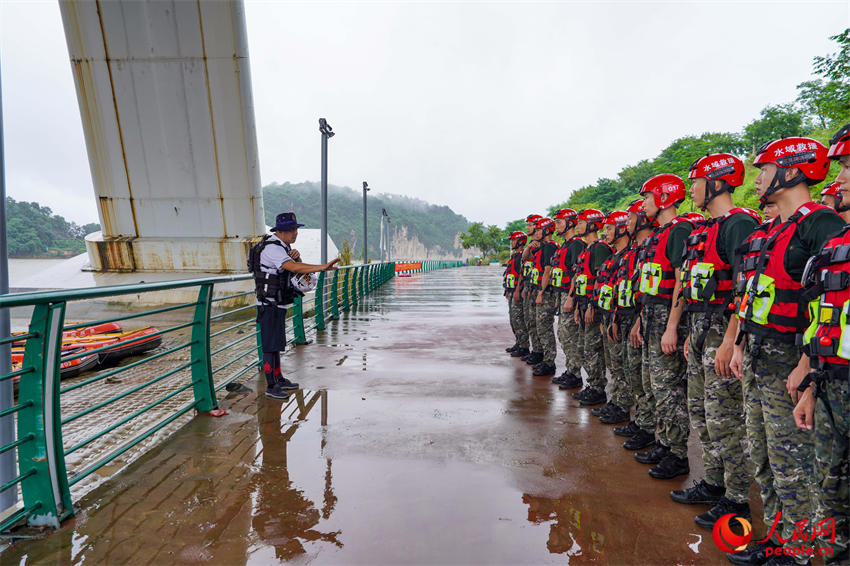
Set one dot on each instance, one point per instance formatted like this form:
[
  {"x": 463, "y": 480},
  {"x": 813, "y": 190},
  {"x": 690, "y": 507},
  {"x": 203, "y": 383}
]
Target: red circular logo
[{"x": 725, "y": 539}]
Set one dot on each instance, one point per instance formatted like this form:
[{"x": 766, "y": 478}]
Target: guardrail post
[
  {"x": 202, "y": 378},
  {"x": 334, "y": 295},
  {"x": 345, "y": 277},
  {"x": 319, "y": 303},
  {"x": 298, "y": 321},
  {"x": 41, "y": 462}
]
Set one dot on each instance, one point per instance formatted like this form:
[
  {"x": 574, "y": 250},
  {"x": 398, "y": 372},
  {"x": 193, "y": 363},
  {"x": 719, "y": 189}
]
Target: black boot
[
  {"x": 615, "y": 416},
  {"x": 543, "y": 369},
  {"x": 706, "y": 520},
  {"x": 654, "y": 455},
  {"x": 670, "y": 467},
  {"x": 593, "y": 397},
  {"x": 639, "y": 440},
  {"x": 578, "y": 395},
  {"x": 599, "y": 411},
  {"x": 628, "y": 431},
  {"x": 512, "y": 348},
  {"x": 534, "y": 358},
  {"x": 558, "y": 379},
  {"x": 570, "y": 382},
  {"x": 756, "y": 554},
  {"x": 702, "y": 493},
  {"x": 519, "y": 353}
]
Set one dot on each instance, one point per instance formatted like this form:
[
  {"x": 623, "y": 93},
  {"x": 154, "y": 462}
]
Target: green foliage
[
  {"x": 775, "y": 122},
  {"x": 490, "y": 240},
  {"x": 345, "y": 253},
  {"x": 435, "y": 226},
  {"x": 829, "y": 100},
  {"x": 34, "y": 231}
]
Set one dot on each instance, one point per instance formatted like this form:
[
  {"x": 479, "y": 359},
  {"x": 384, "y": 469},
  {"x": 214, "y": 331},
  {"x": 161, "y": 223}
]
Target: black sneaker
[
  {"x": 571, "y": 382},
  {"x": 519, "y": 353},
  {"x": 670, "y": 467},
  {"x": 511, "y": 348},
  {"x": 593, "y": 397},
  {"x": 543, "y": 369},
  {"x": 579, "y": 394},
  {"x": 287, "y": 385},
  {"x": 562, "y": 378},
  {"x": 598, "y": 411},
  {"x": 615, "y": 416},
  {"x": 702, "y": 493},
  {"x": 534, "y": 358},
  {"x": 652, "y": 456},
  {"x": 639, "y": 440},
  {"x": 277, "y": 392},
  {"x": 236, "y": 387},
  {"x": 706, "y": 520},
  {"x": 628, "y": 431},
  {"x": 755, "y": 554}
]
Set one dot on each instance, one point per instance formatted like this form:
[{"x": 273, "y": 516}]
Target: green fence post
[
  {"x": 345, "y": 278},
  {"x": 334, "y": 295},
  {"x": 355, "y": 292},
  {"x": 41, "y": 462},
  {"x": 298, "y": 321},
  {"x": 202, "y": 378},
  {"x": 319, "y": 303}
]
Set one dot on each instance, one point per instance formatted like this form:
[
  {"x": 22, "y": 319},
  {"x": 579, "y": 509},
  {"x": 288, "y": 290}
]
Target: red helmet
[
  {"x": 840, "y": 143},
  {"x": 665, "y": 183},
  {"x": 694, "y": 217},
  {"x": 519, "y": 237},
  {"x": 594, "y": 219},
  {"x": 533, "y": 218},
  {"x": 806, "y": 154},
  {"x": 636, "y": 207},
  {"x": 545, "y": 224},
  {"x": 833, "y": 189},
  {"x": 719, "y": 167}
]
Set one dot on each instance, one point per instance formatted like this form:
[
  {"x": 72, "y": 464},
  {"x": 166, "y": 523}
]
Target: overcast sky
[{"x": 495, "y": 109}]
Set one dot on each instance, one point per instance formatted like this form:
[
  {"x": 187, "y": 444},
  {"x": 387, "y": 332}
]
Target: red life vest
[
  {"x": 774, "y": 303},
  {"x": 513, "y": 272},
  {"x": 624, "y": 289},
  {"x": 585, "y": 282},
  {"x": 605, "y": 292},
  {"x": 537, "y": 268},
  {"x": 658, "y": 277},
  {"x": 827, "y": 340},
  {"x": 707, "y": 283},
  {"x": 562, "y": 273}
]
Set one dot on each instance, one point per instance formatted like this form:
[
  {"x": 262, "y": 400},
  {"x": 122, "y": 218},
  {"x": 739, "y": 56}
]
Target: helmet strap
[{"x": 779, "y": 182}]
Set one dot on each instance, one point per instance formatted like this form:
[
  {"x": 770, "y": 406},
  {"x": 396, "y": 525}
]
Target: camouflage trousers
[
  {"x": 668, "y": 373},
  {"x": 716, "y": 409},
  {"x": 545, "y": 320},
  {"x": 530, "y": 316},
  {"x": 782, "y": 454},
  {"x": 568, "y": 335},
  {"x": 592, "y": 353},
  {"x": 518, "y": 322},
  {"x": 832, "y": 430},
  {"x": 644, "y": 415},
  {"x": 621, "y": 392}
]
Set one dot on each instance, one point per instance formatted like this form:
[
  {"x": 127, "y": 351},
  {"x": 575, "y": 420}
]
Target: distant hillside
[
  {"x": 34, "y": 231},
  {"x": 412, "y": 220}
]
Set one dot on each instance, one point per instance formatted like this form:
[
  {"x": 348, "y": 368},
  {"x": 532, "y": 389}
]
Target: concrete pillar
[{"x": 164, "y": 89}]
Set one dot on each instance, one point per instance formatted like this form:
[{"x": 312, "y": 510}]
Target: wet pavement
[{"x": 416, "y": 439}]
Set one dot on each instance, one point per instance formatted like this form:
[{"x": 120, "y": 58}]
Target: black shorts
[{"x": 272, "y": 322}]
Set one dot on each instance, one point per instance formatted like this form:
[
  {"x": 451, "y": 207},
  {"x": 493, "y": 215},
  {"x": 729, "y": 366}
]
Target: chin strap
[
  {"x": 712, "y": 190},
  {"x": 779, "y": 182}
]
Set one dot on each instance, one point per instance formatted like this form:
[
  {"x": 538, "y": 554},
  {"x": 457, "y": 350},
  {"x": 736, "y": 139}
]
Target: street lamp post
[
  {"x": 365, "y": 242},
  {"x": 327, "y": 132}
]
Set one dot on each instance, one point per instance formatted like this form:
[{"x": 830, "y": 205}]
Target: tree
[
  {"x": 775, "y": 122},
  {"x": 829, "y": 101}
]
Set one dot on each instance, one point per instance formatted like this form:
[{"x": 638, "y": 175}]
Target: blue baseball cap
[{"x": 285, "y": 221}]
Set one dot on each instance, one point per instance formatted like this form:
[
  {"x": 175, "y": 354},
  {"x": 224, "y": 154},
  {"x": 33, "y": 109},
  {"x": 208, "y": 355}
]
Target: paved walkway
[{"x": 437, "y": 448}]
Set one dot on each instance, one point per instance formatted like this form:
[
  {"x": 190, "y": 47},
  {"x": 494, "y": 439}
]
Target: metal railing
[{"x": 68, "y": 432}]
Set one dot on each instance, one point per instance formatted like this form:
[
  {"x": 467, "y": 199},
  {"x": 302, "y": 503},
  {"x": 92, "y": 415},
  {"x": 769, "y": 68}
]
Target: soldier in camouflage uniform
[
  {"x": 772, "y": 313},
  {"x": 641, "y": 431},
  {"x": 664, "y": 327},
  {"x": 715, "y": 399},
  {"x": 513, "y": 275},
  {"x": 545, "y": 297},
  {"x": 535, "y": 356},
  {"x": 562, "y": 273},
  {"x": 586, "y": 313},
  {"x": 616, "y": 233},
  {"x": 827, "y": 342}
]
